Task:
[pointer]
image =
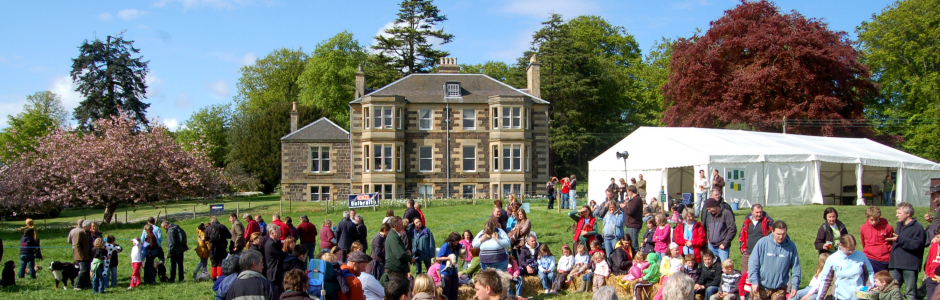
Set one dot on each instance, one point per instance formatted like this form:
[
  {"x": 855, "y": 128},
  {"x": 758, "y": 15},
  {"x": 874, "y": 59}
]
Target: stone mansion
[{"x": 441, "y": 135}]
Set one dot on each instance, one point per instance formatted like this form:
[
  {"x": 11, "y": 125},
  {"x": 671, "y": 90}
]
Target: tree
[
  {"x": 118, "y": 165},
  {"x": 902, "y": 47},
  {"x": 110, "y": 79},
  {"x": 586, "y": 75},
  {"x": 651, "y": 74},
  {"x": 207, "y": 130},
  {"x": 496, "y": 69},
  {"x": 270, "y": 80},
  {"x": 42, "y": 113},
  {"x": 329, "y": 78},
  {"x": 255, "y": 140},
  {"x": 756, "y": 66},
  {"x": 410, "y": 42}
]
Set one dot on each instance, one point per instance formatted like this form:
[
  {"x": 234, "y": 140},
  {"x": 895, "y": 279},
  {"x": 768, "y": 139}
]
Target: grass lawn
[{"x": 550, "y": 226}]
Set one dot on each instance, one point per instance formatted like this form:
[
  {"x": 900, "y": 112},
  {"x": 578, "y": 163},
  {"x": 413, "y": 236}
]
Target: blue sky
[{"x": 196, "y": 47}]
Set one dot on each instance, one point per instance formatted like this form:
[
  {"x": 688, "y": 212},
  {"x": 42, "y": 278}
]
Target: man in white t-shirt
[{"x": 701, "y": 191}]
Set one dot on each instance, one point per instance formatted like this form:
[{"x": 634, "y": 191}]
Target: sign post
[{"x": 363, "y": 200}]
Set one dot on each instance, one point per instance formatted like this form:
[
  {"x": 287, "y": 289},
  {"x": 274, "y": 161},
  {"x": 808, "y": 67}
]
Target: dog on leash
[
  {"x": 161, "y": 271},
  {"x": 63, "y": 272}
]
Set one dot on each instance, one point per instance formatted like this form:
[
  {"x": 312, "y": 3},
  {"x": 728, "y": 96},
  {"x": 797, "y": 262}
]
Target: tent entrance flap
[{"x": 679, "y": 180}]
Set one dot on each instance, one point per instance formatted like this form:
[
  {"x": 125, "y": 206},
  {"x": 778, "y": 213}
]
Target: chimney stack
[
  {"x": 293, "y": 117},
  {"x": 448, "y": 66},
  {"x": 360, "y": 83},
  {"x": 533, "y": 75}
]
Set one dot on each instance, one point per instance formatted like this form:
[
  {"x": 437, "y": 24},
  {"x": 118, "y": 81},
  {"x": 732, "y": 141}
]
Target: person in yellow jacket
[{"x": 202, "y": 250}]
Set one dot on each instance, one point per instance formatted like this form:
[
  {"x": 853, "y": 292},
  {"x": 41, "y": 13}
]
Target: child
[
  {"x": 596, "y": 246},
  {"x": 137, "y": 261},
  {"x": 465, "y": 244},
  {"x": 886, "y": 287},
  {"x": 202, "y": 249},
  {"x": 729, "y": 282},
  {"x": 516, "y": 278},
  {"x": 435, "y": 272},
  {"x": 601, "y": 271},
  {"x": 546, "y": 267},
  {"x": 582, "y": 262},
  {"x": 809, "y": 292},
  {"x": 112, "y": 262},
  {"x": 650, "y": 276},
  {"x": 99, "y": 255},
  {"x": 690, "y": 267},
  {"x": 710, "y": 278},
  {"x": 565, "y": 264},
  {"x": 651, "y": 210},
  {"x": 663, "y": 234},
  {"x": 639, "y": 265},
  {"x": 649, "y": 246},
  {"x": 424, "y": 288},
  {"x": 669, "y": 265},
  {"x": 676, "y": 216}
]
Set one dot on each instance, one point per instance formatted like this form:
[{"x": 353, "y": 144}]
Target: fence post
[
  {"x": 236, "y": 209},
  {"x": 166, "y": 215},
  {"x": 194, "y": 212}
]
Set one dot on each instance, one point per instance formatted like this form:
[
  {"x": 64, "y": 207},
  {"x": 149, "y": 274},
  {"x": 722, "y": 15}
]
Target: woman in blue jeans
[
  {"x": 29, "y": 247},
  {"x": 492, "y": 242}
]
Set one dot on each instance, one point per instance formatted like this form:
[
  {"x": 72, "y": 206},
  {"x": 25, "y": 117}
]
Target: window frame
[
  {"x": 383, "y": 117},
  {"x": 429, "y": 119},
  {"x": 425, "y": 191},
  {"x": 472, "y": 119},
  {"x": 473, "y": 191},
  {"x": 452, "y": 90},
  {"x": 324, "y": 192},
  {"x": 472, "y": 159},
  {"x": 320, "y": 159},
  {"x": 512, "y": 157},
  {"x": 383, "y": 158},
  {"x": 430, "y": 159}
]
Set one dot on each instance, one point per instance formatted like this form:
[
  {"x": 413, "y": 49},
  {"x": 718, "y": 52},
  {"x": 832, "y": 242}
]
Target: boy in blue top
[{"x": 776, "y": 268}]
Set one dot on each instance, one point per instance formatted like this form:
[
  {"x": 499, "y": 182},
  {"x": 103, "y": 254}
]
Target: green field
[{"x": 442, "y": 216}]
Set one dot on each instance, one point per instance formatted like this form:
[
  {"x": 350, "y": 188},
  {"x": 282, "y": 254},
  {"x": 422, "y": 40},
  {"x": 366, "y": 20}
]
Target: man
[
  {"x": 250, "y": 284},
  {"x": 572, "y": 191},
  {"x": 874, "y": 233},
  {"x": 767, "y": 273},
  {"x": 396, "y": 257},
  {"x": 156, "y": 231},
  {"x": 410, "y": 212},
  {"x": 263, "y": 226},
  {"x": 274, "y": 256},
  {"x": 601, "y": 209},
  {"x": 718, "y": 182},
  {"x": 888, "y": 190},
  {"x": 217, "y": 235},
  {"x": 641, "y": 186},
  {"x": 252, "y": 227},
  {"x": 355, "y": 264},
  {"x": 176, "y": 246},
  {"x": 285, "y": 230},
  {"x": 613, "y": 185},
  {"x": 502, "y": 215},
  {"x": 701, "y": 191},
  {"x": 907, "y": 249},
  {"x": 378, "y": 251},
  {"x": 632, "y": 216},
  {"x": 498, "y": 216},
  {"x": 719, "y": 228},
  {"x": 755, "y": 227},
  {"x": 308, "y": 235},
  {"x": 80, "y": 240},
  {"x": 346, "y": 234},
  {"x": 238, "y": 243},
  {"x": 488, "y": 285}
]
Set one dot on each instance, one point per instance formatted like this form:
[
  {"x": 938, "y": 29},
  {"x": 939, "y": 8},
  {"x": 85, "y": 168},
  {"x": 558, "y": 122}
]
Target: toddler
[
  {"x": 648, "y": 245},
  {"x": 601, "y": 270},
  {"x": 582, "y": 263},
  {"x": 565, "y": 264},
  {"x": 809, "y": 292},
  {"x": 137, "y": 261},
  {"x": 729, "y": 282},
  {"x": 639, "y": 265}
]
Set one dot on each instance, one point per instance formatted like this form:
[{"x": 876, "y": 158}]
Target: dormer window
[{"x": 452, "y": 89}]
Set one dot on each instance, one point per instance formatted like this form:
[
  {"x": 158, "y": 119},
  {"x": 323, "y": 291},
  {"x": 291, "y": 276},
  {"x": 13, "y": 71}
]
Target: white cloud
[
  {"x": 10, "y": 105},
  {"x": 171, "y": 124},
  {"x": 182, "y": 101},
  {"x": 105, "y": 16},
  {"x": 63, "y": 86},
  {"x": 129, "y": 14},
  {"x": 187, "y": 4},
  {"x": 154, "y": 86},
  {"x": 249, "y": 59},
  {"x": 219, "y": 89},
  {"x": 689, "y": 4},
  {"x": 543, "y": 9}
]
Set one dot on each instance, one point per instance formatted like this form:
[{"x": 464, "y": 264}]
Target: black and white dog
[{"x": 63, "y": 272}]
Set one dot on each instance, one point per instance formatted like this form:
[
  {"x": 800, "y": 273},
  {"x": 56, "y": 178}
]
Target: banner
[
  {"x": 363, "y": 200},
  {"x": 217, "y": 208}
]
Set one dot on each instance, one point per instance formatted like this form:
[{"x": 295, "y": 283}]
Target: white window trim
[
  {"x": 473, "y": 117},
  {"x": 463, "y": 159},
  {"x": 320, "y": 192},
  {"x": 430, "y": 119},
  {"x": 452, "y": 90},
  {"x": 383, "y": 120},
  {"x": 366, "y": 149},
  {"x": 425, "y": 187},
  {"x": 319, "y": 159},
  {"x": 385, "y": 158},
  {"x": 511, "y": 158},
  {"x": 431, "y": 159}
]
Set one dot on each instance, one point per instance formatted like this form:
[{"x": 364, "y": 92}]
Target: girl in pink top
[
  {"x": 663, "y": 235},
  {"x": 465, "y": 244}
]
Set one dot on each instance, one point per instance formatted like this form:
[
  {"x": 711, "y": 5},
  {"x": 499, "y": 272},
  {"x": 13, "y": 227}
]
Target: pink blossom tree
[{"x": 113, "y": 164}]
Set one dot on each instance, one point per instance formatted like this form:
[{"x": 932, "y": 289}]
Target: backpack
[
  {"x": 316, "y": 277},
  {"x": 182, "y": 239},
  {"x": 213, "y": 233}
]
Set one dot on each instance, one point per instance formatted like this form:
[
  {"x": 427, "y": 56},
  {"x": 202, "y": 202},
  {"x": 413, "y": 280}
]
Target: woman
[
  {"x": 327, "y": 238},
  {"x": 154, "y": 251},
  {"x": 424, "y": 288},
  {"x": 846, "y": 270},
  {"x": 511, "y": 221},
  {"x": 584, "y": 229},
  {"x": 492, "y": 242},
  {"x": 363, "y": 233},
  {"x": 613, "y": 226},
  {"x": 690, "y": 235},
  {"x": 623, "y": 189},
  {"x": 519, "y": 232},
  {"x": 422, "y": 246},
  {"x": 202, "y": 249},
  {"x": 621, "y": 260},
  {"x": 94, "y": 233},
  {"x": 564, "y": 194},
  {"x": 388, "y": 215},
  {"x": 29, "y": 245},
  {"x": 550, "y": 192},
  {"x": 830, "y": 231},
  {"x": 290, "y": 226},
  {"x": 451, "y": 247}
]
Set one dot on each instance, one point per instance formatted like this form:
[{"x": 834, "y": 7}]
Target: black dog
[
  {"x": 161, "y": 271},
  {"x": 63, "y": 272},
  {"x": 8, "y": 278}
]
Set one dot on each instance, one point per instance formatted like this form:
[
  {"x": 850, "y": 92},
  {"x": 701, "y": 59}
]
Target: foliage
[
  {"x": 207, "y": 130},
  {"x": 42, "y": 113},
  {"x": 329, "y": 78},
  {"x": 756, "y": 65},
  {"x": 586, "y": 73},
  {"x": 496, "y": 69},
  {"x": 270, "y": 80},
  {"x": 410, "y": 42},
  {"x": 118, "y": 165},
  {"x": 110, "y": 79},
  {"x": 255, "y": 140},
  {"x": 380, "y": 71},
  {"x": 239, "y": 179},
  {"x": 651, "y": 75},
  {"x": 902, "y": 47}
]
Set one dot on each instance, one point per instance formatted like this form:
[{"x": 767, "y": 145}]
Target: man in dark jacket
[
  {"x": 907, "y": 250},
  {"x": 346, "y": 234},
  {"x": 632, "y": 216},
  {"x": 529, "y": 257},
  {"x": 756, "y": 225},
  {"x": 274, "y": 256},
  {"x": 250, "y": 283},
  {"x": 363, "y": 233},
  {"x": 175, "y": 246},
  {"x": 720, "y": 229},
  {"x": 218, "y": 236},
  {"x": 411, "y": 213},
  {"x": 397, "y": 259},
  {"x": 718, "y": 182},
  {"x": 378, "y": 251}
]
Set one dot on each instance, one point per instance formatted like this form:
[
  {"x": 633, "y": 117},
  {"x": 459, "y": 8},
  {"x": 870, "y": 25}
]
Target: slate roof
[
  {"x": 429, "y": 88},
  {"x": 320, "y": 130}
]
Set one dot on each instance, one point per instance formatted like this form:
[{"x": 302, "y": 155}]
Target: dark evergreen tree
[
  {"x": 410, "y": 43},
  {"x": 110, "y": 79}
]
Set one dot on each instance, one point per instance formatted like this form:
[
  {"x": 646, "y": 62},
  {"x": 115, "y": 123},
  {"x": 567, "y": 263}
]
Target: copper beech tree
[
  {"x": 114, "y": 164},
  {"x": 755, "y": 65}
]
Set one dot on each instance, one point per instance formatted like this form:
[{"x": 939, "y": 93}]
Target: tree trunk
[{"x": 109, "y": 211}]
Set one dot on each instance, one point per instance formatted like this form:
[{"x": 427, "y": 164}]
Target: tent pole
[{"x": 841, "y": 182}]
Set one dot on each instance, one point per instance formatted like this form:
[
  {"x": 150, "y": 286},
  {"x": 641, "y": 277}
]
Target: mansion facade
[{"x": 441, "y": 135}]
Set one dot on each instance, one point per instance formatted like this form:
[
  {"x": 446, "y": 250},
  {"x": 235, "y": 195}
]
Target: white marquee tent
[{"x": 762, "y": 167}]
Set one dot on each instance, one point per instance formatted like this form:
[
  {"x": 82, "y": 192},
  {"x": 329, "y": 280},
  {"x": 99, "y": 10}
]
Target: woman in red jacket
[{"x": 690, "y": 234}]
